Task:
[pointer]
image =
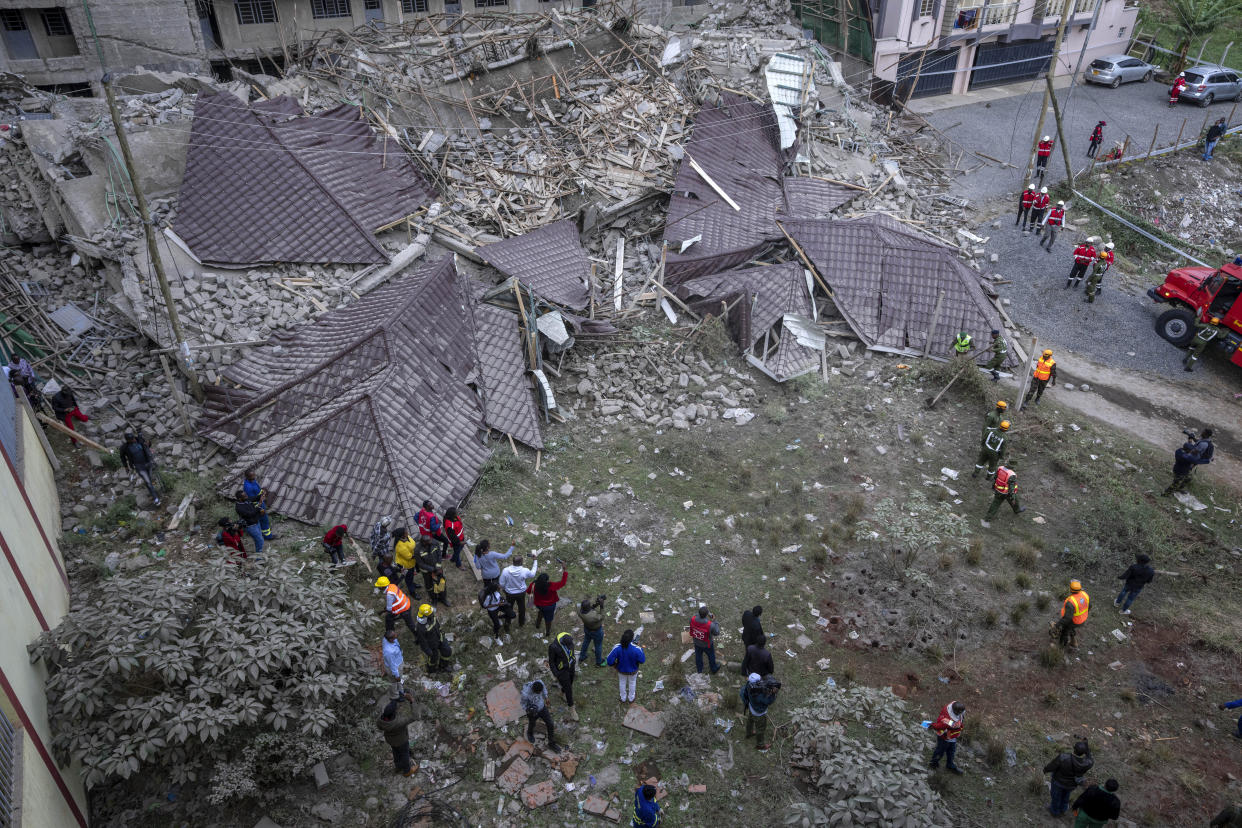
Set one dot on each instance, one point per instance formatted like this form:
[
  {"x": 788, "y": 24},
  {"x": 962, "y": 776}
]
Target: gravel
[{"x": 1118, "y": 329}]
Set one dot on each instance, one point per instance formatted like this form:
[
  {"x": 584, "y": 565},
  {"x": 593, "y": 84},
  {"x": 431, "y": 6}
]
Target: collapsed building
[{"x": 381, "y": 260}]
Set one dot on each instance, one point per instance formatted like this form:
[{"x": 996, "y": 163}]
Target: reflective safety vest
[
  {"x": 401, "y": 601},
  {"x": 1041, "y": 201},
  {"x": 994, "y": 441},
  {"x": 1207, "y": 334},
  {"x": 1006, "y": 481},
  {"x": 1077, "y": 604},
  {"x": 1045, "y": 149},
  {"x": 1083, "y": 254},
  {"x": 961, "y": 343},
  {"x": 1056, "y": 217},
  {"x": 1043, "y": 368},
  {"x": 701, "y": 630},
  {"x": 1028, "y": 198}
]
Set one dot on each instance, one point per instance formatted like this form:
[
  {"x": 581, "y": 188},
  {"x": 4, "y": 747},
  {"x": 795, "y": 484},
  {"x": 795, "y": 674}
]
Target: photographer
[
  {"x": 494, "y": 603},
  {"x": 592, "y": 615},
  {"x": 758, "y": 694},
  {"x": 1184, "y": 461}
]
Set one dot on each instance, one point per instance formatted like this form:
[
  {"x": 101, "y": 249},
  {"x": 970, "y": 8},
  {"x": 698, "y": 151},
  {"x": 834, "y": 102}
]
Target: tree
[
  {"x": 1199, "y": 18},
  {"x": 178, "y": 669}
]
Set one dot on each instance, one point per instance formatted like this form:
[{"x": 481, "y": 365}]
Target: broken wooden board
[
  {"x": 180, "y": 513},
  {"x": 536, "y": 796}
]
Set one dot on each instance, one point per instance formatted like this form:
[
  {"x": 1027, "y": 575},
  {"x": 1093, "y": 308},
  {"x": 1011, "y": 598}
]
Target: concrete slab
[
  {"x": 514, "y": 777},
  {"x": 504, "y": 703},
  {"x": 536, "y": 796},
  {"x": 521, "y": 748},
  {"x": 597, "y": 805},
  {"x": 644, "y": 721}
]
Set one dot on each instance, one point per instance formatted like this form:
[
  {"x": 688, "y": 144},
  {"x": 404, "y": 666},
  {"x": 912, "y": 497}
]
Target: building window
[
  {"x": 414, "y": 6},
  {"x": 966, "y": 18},
  {"x": 1082, "y": 6},
  {"x": 485, "y": 4},
  {"x": 250, "y": 12},
  {"x": 12, "y": 20},
  {"x": 330, "y": 8},
  {"x": 927, "y": 8},
  {"x": 1000, "y": 13},
  {"x": 56, "y": 23}
]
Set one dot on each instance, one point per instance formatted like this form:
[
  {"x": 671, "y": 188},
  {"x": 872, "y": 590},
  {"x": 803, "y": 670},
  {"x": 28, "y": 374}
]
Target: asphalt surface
[
  {"x": 1004, "y": 128},
  {"x": 1118, "y": 329}
]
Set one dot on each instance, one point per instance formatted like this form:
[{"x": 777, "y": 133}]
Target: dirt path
[{"x": 1156, "y": 410}]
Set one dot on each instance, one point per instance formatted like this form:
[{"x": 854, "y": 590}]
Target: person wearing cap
[
  {"x": 1043, "y": 374},
  {"x": 1043, "y": 151},
  {"x": 397, "y": 605},
  {"x": 1138, "y": 575},
  {"x": 1073, "y": 615},
  {"x": 1084, "y": 257},
  {"x": 1025, "y": 202},
  {"x": 258, "y": 495},
  {"x": 1214, "y": 134},
  {"x": 1039, "y": 207},
  {"x": 380, "y": 539},
  {"x": 948, "y": 727},
  {"x": 65, "y": 407},
  {"x": 1096, "y": 806},
  {"x": 1094, "y": 288},
  {"x": 993, "y": 420},
  {"x": 431, "y": 641},
  {"x": 1104, "y": 259},
  {"x": 249, "y": 514},
  {"x": 403, "y": 552},
  {"x": 1205, "y": 332},
  {"x": 995, "y": 448},
  {"x": 230, "y": 537},
  {"x": 1184, "y": 461},
  {"x": 963, "y": 344},
  {"x": 1175, "y": 91},
  {"x": 1054, "y": 221},
  {"x": 758, "y": 693},
  {"x": 1000, "y": 350},
  {"x": 1097, "y": 138},
  {"x": 334, "y": 544},
  {"x": 1004, "y": 489},
  {"x": 1067, "y": 771}
]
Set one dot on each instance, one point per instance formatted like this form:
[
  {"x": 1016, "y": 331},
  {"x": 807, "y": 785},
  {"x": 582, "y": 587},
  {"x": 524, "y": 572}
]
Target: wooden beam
[
  {"x": 616, "y": 279},
  {"x": 59, "y": 426},
  {"x": 694, "y": 165},
  {"x": 180, "y": 513}
]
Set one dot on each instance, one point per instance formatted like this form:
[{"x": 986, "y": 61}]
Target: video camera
[
  {"x": 600, "y": 599},
  {"x": 1191, "y": 435}
]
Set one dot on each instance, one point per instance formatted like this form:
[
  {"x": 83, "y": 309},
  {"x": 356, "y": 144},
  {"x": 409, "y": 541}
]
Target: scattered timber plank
[
  {"x": 75, "y": 435},
  {"x": 179, "y": 515}
]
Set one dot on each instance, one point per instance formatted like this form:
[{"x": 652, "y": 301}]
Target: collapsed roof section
[
  {"x": 886, "y": 280},
  {"x": 731, "y": 187},
  {"x": 549, "y": 261},
  {"x": 769, "y": 312},
  {"x": 266, "y": 184},
  {"x": 373, "y": 407}
]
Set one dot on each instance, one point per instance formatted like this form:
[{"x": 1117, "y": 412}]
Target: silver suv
[{"x": 1206, "y": 83}]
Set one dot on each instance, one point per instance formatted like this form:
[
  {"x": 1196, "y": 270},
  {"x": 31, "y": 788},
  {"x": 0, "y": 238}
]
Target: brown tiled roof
[
  {"x": 738, "y": 144},
  {"x": 369, "y": 409},
  {"x": 549, "y": 260},
  {"x": 508, "y": 398},
  {"x": 885, "y": 279},
  {"x": 768, "y": 293},
  {"x": 260, "y": 186}
]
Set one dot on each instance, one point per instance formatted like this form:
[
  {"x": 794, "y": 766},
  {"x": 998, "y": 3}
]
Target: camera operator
[
  {"x": 1204, "y": 445},
  {"x": 758, "y": 694},
  {"x": 592, "y": 615}
]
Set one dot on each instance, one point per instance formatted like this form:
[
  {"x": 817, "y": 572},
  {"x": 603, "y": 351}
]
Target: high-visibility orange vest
[
  {"x": 1002, "y": 484},
  {"x": 1043, "y": 368},
  {"x": 1077, "y": 602},
  {"x": 402, "y": 601}
]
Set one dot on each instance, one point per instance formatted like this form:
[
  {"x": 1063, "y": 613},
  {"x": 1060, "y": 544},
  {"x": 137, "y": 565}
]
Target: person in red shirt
[
  {"x": 1043, "y": 151},
  {"x": 1084, "y": 255},
  {"x": 948, "y": 727},
  {"x": 1097, "y": 138},
  {"x": 1054, "y": 222},
  {"x": 544, "y": 597},
  {"x": 1024, "y": 206},
  {"x": 230, "y": 537},
  {"x": 429, "y": 526},
  {"x": 334, "y": 543},
  {"x": 456, "y": 534},
  {"x": 1038, "y": 207},
  {"x": 1175, "y": 91}
]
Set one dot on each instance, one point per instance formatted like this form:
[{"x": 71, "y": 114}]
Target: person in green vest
[
  {"x": 1000, "y": 350},
  {"x": 995, "y": 447}
]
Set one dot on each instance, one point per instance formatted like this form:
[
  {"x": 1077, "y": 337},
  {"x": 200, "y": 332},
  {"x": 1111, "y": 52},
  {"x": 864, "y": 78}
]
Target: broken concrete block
[
  {"x": 520, "y": 747},
  {"x": 514, "y": 777},
  {"x": 644, "y": 721},
  {"x": 536, "y": 796},
  {"x": 568, "y": 768},
  {"x": 697, "y": 789},
  {"x": 321, "y": 775},
  {"x": 597, "y": 805},
  {"x": 504, "y": 703}
]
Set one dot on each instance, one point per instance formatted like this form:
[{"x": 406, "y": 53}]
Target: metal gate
[
  {"x": 997, "y": 63},
  {"x": 933, "y": 77}
]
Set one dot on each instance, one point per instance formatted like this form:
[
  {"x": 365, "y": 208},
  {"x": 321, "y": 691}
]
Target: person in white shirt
[{"x": 513, "y": 580}]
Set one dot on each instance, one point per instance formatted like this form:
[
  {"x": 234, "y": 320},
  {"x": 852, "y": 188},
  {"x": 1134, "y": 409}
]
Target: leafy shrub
[
  {"x": 905, "y": 531},
  {"x": 176, "y": 670}
]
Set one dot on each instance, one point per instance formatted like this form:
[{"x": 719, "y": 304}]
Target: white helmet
[
  {"x": 1030, "y": 186},
  {"x": 1044, "y": 190},
  {"x": 1181, "y": 74},
  {"x": 1109, "y": 245},
  {"x": 1047, "y": 137},
  {"x": 1060, "y": 203}
]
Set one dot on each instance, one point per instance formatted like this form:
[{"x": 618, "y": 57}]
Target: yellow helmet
[
  {"x": 425, "y": 610},
  {"x": 382, "y": 582},
  {"x": 1215, "y": 320},
  {"x": 1002, "y": 405},
  {"x": 1075, "y": 586},
  {"x": 1004, "y": 425},
  {"x": 1048, "y": 352}
]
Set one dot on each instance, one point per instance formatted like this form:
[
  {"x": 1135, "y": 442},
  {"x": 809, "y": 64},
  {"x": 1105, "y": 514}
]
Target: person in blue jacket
[
  {"x": 646, "y": 809},
  {"x": 625, "y": 658},
  {"x": 1237, "y": 734}
]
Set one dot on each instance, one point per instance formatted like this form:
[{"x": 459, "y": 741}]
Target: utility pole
[
  {"x": 1056, "y": 113},
  {"x": 1043, "y": 110},
  {"x": 149, "y": 227}
]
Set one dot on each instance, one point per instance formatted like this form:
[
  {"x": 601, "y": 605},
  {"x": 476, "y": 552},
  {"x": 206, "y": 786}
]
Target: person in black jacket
[
  {"x": 1184, "y": 461},
  {"x": 1098, "y": 804},
  {"x": 1067, "y": 771},
  {"x": 758, "y": 659},
  {"x": 752, "y": 628},
  {"x": 394, "y": 723},
  {"x": 250, "y": 513},
  {"x": 136, "y": 457},
  {"x": 1214, "y": 134},
  {"x": 65, "y": 407},
  {"x": 1137, "y": 576},
  {"x": 1230, "y": 817},
  {"x": 561, "y": 661}
]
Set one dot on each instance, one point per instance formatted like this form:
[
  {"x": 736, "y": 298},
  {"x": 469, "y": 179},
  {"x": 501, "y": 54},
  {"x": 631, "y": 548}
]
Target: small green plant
[
  {"x": 854, "y": 508},
  {"x": 1022, "y": 580},
  {"x": 1024, "y": 555},
  {"x": 990, "y": 618},
  {"x": 1051, "y": 699},
  {"x": 809, "y": 386},
  {"x": 1000, "y": 583},
  {"x": 1042, "y": 600},
  {"x": 946, "y": 561},
  {"x": 1051, "y": 657},
  {"x": 776, "y": 412},
  {"x": 848, "y": 674},
  {"x": 974, "y": 553},
  {"x": 820, "y": 556},
  {"x": 1019, "y": 611},
  {"x": 1128, "y": 695}
]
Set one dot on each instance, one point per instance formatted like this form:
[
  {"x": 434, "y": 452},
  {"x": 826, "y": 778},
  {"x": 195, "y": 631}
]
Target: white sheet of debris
[{"x": 790, "y": 82}]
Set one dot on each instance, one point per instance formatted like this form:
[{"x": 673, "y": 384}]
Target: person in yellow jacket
[
  {"x": 1044, "y": 373},
  {"x": 403, "y": 555},
  {"x": 1073, "y": 615}
]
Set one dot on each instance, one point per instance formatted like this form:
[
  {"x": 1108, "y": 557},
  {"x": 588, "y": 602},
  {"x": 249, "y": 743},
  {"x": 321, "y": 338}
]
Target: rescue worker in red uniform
[
  {"x": 430, "y": 528},
  {"x": 1024, "y": 206},
  {"x": 1043, "y": 151},
  {"x": 1084, "y": 255},
  {"x": 1175, "y": 91},
  {"x": 1097, "y": 138},
  {"x": 1038, "y": 207},
  {"x": 455, "y": 533},
  {"x": 1054, "y": 222}
]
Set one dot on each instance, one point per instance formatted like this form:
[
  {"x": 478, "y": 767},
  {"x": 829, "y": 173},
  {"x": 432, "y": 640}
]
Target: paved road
[{"x": 1003, "y": 129}]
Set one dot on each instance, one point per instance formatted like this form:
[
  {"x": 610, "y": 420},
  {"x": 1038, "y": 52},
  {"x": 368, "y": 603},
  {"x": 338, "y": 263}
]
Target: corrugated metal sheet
[
  {"x": 549, "y": 260},
  {"x": 885, "y": 280},
  {"x": 790, "y": 82},
  {"x": 263, "y": 187}
]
